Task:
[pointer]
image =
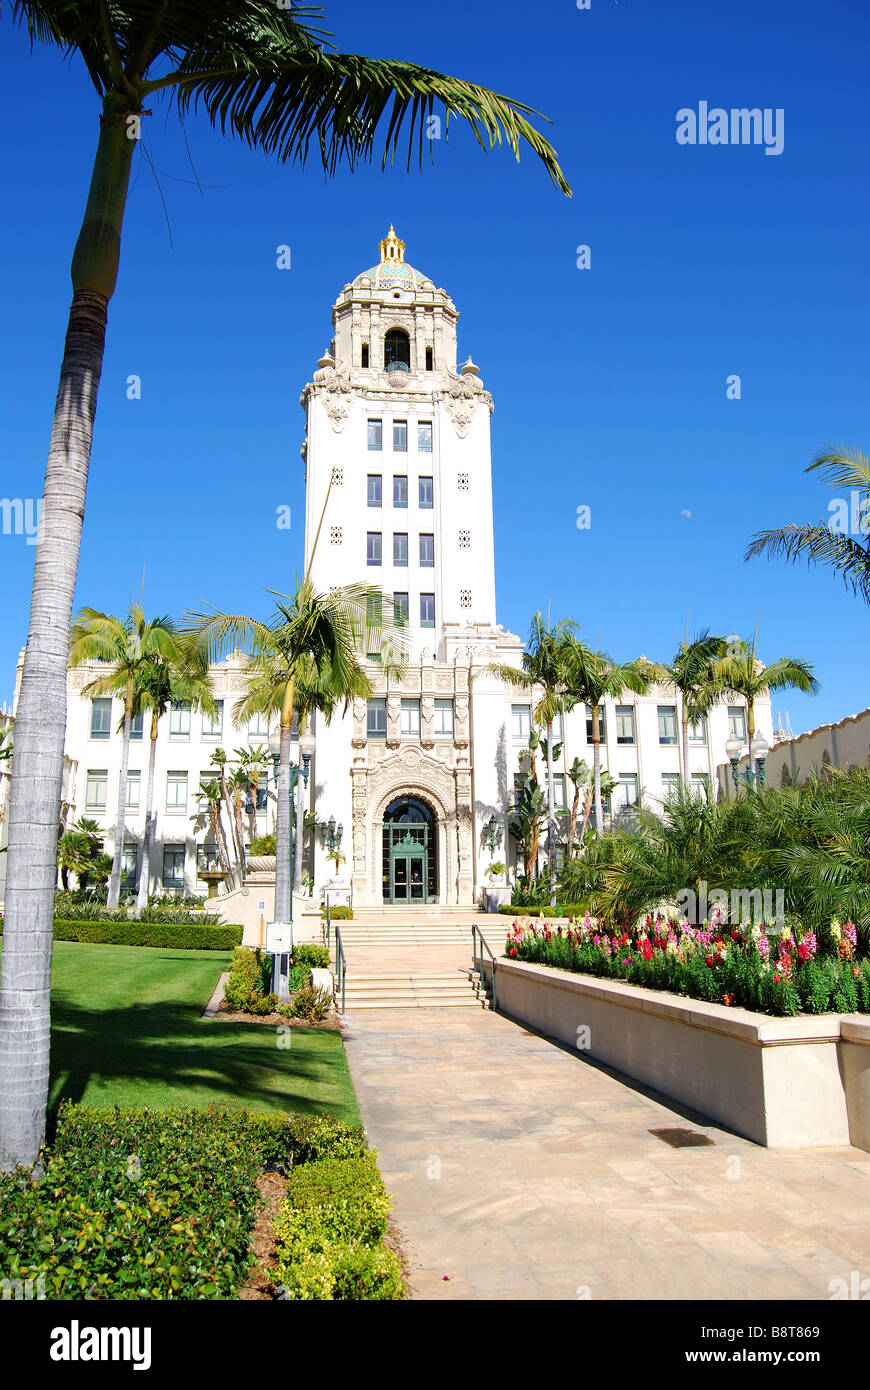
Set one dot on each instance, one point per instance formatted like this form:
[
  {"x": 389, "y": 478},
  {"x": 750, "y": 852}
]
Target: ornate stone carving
[
  {"x": 336, "y": 391},
  {"x": 462, "y": 395}
]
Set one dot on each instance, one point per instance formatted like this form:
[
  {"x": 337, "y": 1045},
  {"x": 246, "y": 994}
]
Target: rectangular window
[
  {"x": 129, "y": 867},
  {"x": 701, "y": 785},
  {"x": 559, "y": 797},
  {"x": 258, "y": 726},
  {"x": 670, "y": 784},
  {"x": 427, "y": 610},
  {"x": 698, "y": 730},
  {"x": 179, "y": 719},
  {"x": 176, "y": 793},
  {"x": 400, "y": 490},
  {"x": 400, "y": 436},
  {"x": 426, "y": 494},
  {"x": 521, "y": 722},
  {"x": 373, "y": 548},
  {"x": 557, "y": 729},
  {"x": 207, "y": 858},
  {"x": 173, "y": 866},
  {"x": 134, "y": 782},
  {"x": 95, "y": 789},
  {"x": 400, "y": 548},
  {"x": 136, "y": 726},
  {"x": 401, "y": 612},
  {"x": 375, "y": 434},
  {"x": 625, "y": 794},
  {"x": 429, "y": 359},
  {"x": 212, "y": 724},
  {"x": 409, "y": 717},
  {"x": 443, "y": 721},
  {"x": 374, "y": 490},
  {"x": 376, "y": 719},
  {"x": 424, "y": 437},
  {"x": 737, "y": 722},
  {"x": 101, "y": 719},
  {"x": 625, "y": 724},
  {"x": 364, "y": 355},
  {"x": 427, "y": 550},
  {"x": 667, "y": 724},
  {"x": 602, "y": 724}
]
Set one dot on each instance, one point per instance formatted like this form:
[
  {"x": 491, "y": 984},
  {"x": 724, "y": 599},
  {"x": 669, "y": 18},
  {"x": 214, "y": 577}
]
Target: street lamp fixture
[
  {"x": 753, "y": 776},
  {"x": 492, "y": 834}
]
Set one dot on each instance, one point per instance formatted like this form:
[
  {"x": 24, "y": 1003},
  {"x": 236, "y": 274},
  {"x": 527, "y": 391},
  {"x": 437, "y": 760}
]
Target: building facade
[{"x": 421, "y": 777}]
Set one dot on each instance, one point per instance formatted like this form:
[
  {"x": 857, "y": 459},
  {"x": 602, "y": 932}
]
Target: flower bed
[{"x": 738, "y": 967}]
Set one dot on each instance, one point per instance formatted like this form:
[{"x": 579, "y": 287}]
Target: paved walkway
[{"x": 522, "y": 1170}]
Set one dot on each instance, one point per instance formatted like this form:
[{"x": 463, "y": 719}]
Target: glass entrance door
[
  {"x": 408, "y": 878},
  {"x": 410, "y": 850}
]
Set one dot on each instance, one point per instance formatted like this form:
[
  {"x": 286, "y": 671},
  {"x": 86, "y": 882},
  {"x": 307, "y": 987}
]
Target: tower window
[
  {"x": 397, "y": 351},
  {"x": 401, "y": 610},
  {"x": 365, "y": 355},
  {"x": 373, "y": 548},
  {"x": 400, "y": 436},
  {"x": 424, "y": 436},
  {"x": 400, "y": 548},
  {"x": 375, "y": 434},
  {"x": 427, "y": 549},
  {"x": 427, "y": 610},
  {"x": 376, "y": 718},
  {"x": 400, "y": 490},
  {"x": 374, "y": 489},
  {"x": 429, "y": 360},
  {"x": 426, "y": 493}
]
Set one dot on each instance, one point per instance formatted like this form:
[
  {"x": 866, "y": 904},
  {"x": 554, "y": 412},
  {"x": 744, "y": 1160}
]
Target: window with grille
[
  {"x": 464, "y": 598},
  {"x": 337, "y": 477},
  {"x": 335, "y": 535},
  {"x": 462, "y": 482},
  {"x": 464, "y": 540}
]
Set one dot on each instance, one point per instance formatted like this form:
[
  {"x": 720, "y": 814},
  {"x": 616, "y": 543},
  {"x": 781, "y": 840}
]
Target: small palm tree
[
  {"x": 265, "y": 76},
  {"x": 211, "y": 792},
  {"x": 529, "y": 816},
  {"x": 237, "y": 865},
  {"x": 822, "y": 542},
  {"x": 691, "y": 674},
  {"x": 331, "y": 632},
  {"x": 542, "y": 675},
  {"x": 590, "y": 677},
  {"x": 124, "y": 645},
  {"x": 742, "y": 674}
]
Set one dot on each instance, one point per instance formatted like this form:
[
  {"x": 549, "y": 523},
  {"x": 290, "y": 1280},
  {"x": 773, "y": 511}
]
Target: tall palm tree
[
  {"x": 237, "y": 865},
  {"x": 329, "y": 633},
  {"x": 6, "y": 742},
  {"x": 742, "y": 674},
  {"x": 542, "y": 675},
  {"x": 267, "y": 77},
  {"x": 823, "y": 543},
  {"x": 253, "y": 762},
  {"x": 691, "y": 674},
  {"x": 591, "y": 676},
  {"x": 181, "y": 678},
  {"x": 124, "y": 644}
]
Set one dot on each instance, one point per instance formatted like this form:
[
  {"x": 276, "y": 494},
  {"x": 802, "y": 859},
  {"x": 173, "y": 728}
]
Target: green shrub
[
  {"x": 135, "y": 1204},
  {"x": 263, "y": 844},
  {"x": 196, "y": 937},
  {"x": 330, "y": 1231},
  {"x": 296, "y": 1139},
  {"x": 338, "y": 914},
  {"x": 314, "y": 1005},
  {"x": 312, "y": 957},
  {"x": 560, "y": 910},
  {"x": 248, "y": 985}
]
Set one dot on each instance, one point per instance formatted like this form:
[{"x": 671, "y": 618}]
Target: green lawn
[{"x": 126, "y": 1030}]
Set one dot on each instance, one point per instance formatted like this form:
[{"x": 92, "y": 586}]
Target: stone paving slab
[{"x": 522, "y": 1170}]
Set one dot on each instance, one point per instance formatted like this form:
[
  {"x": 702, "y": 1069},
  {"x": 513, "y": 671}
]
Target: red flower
[
  {"x": 728, "y": 999},
  {"x": 710, "y": 961},
  {"x": 513, "y": 951}
]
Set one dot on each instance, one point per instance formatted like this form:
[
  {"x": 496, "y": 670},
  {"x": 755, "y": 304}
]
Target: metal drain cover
[{"x": 682, "y": 1138}]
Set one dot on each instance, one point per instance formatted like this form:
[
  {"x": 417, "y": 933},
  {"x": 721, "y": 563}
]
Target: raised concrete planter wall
[
  {"x": 775, "y": 1080},
  {"x": 855, "y": 1064}
]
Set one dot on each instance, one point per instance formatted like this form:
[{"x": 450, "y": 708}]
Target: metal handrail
[
  {"x": 340, "y": 965},
  {"x": 477, "y": 958}
]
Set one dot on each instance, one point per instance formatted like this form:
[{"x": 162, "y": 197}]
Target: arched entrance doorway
[{"x": 410, "y": 863}]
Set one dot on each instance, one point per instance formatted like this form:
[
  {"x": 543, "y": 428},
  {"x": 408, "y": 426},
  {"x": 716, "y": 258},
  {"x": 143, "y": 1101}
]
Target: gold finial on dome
[{"x": 392, "y": 248}]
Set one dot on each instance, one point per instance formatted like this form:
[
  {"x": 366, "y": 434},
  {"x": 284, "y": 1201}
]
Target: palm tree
[
  {"x": 308, "y": 630},
  {"x": 6, "y": 740},
  {"x": 268, "y": 78},
  {"x": 211, "y": 792},
  {"x": 543, "y": 671},
  {"x": 591, "y": 677},
  {"x": 253, "y": 762},
  {"x": 530, "y": 814},
  {"x": 742, "y": 674},
  {"x": 182, "y": 678},
  {"x": 691, "y": 674},
  {"x": 124, "y": 645},
  {"x": 823, "y": 543},
  {"x": 237, "y": 870},
  {"x": 238, "y": 788}
]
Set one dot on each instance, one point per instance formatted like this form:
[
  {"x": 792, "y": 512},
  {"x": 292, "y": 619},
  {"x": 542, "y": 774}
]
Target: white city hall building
[{"x": 421, "y": 774}]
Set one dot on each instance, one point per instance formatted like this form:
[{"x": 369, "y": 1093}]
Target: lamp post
[
  {"x": 492, "y": 834},
  {"x": 306, "y": 748},
  {"x": 757, "y": 754}
]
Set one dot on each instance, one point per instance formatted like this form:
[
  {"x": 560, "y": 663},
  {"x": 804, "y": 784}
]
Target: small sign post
[{"x": 279, "y": 943}]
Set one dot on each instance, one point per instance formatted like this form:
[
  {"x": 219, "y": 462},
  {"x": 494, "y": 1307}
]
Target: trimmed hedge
[
  {"x": 222, "y": 937},
  {"x": 139, "y": 1204},
  {"x": 330, "y": 1234},
  {"x": 560, "y": 910},
  {"x": 338, "y": 914}
]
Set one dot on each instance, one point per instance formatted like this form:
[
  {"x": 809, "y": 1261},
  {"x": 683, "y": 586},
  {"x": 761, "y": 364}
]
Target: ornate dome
[{"x": 392, "y": 272}]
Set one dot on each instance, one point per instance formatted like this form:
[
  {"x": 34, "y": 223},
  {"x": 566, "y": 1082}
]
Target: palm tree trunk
[
  {"x": 40, "y": 724},
  {"x": 750, "y": 733},
  {"x": 235, "y": 866},
  {"x": 145, "y": 867},
  {"x": 300, "y": 830},
  {"x": 596, "y": 771},
  {"x": 121, "y": 817},
  {"x": 283, "y": 868},
  {"x": 240, "y": 831},
  {"x": 684, "y": 742}
]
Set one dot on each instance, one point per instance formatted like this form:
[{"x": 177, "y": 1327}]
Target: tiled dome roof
[{"x": 392, "y": 271}]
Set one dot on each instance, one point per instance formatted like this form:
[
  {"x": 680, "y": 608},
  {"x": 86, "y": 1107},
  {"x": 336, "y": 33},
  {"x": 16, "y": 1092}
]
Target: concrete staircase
[{"x": 417, "y": 958}]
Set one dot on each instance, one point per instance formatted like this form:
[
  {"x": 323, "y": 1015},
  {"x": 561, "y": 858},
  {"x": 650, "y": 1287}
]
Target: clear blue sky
[{"x": 609, "y": 384}]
